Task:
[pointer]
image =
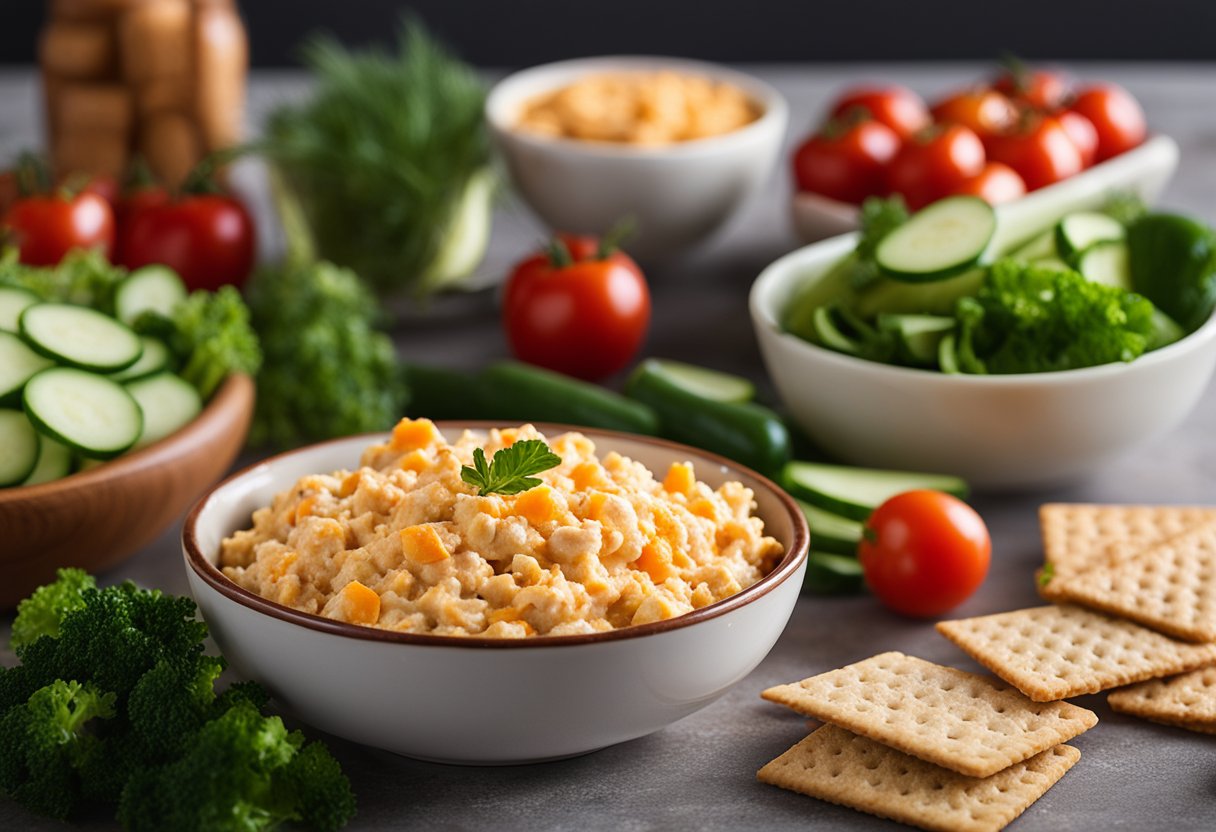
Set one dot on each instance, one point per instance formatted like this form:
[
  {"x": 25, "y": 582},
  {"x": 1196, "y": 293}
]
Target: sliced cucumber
[
  {"x": 151, "y": 288},
  {"x": 1054, "y": 263},
  {"x": 831, "y": 532},
  {"x": 79, "y": 337},
  {"x": 168, "y": 405},
  {"x": 1077, "y": 232},
  {"x": 1038, "y": 247},
  {"x": 832, "y": 574},
  {"x": 1165, "y": 330},
  {"x": 54, "y": 462},
  {"x": 18, "y": 447},
  {"x": 947, "y": 355},
  {"x": 896, "y": 298},
  {"x": 17, "y": 364},
  {"x": 945, "y": 239},
  {"x": 704, "y": 382},
  {"x": 828, "y": 334},
  {"x": 917, "y": 337},
  {"x": 13, "y": 302},
  {"x": 91, "y": 414},
  {"x": 1108, "y": 263},
  {"x": 856, "y": 492},
  {"x": 154, "y": 359}
]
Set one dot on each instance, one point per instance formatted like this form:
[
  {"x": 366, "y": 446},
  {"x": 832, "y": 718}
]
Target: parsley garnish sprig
[{"x": 511, "y": 470}]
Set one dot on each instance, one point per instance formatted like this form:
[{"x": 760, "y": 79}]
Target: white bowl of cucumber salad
[{"x": 892, "y": 373}]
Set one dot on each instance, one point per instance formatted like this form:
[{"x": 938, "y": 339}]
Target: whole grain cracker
[
  {"x": 838, "y": 766},
  {"x": 1056, "y": 652},
  {"x": 962, "y": 721},
  {"x": 1170, "y": 586},
  {"x": 1077, "y": 536},
  {"x": 1186, "y": 700}
]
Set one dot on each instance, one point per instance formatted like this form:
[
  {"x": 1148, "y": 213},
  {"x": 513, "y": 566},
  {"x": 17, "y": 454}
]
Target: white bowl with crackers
[
  {"x": 491, "y": 700},
  {"x": 996, "y": 431},
  {"x": 675, "y": 161}
]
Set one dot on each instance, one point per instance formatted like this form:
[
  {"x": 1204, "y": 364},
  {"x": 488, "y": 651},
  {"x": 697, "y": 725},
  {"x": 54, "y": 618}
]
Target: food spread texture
[
  {"x": 403, "y": 543},
  {"x": 655, "y": 108}
]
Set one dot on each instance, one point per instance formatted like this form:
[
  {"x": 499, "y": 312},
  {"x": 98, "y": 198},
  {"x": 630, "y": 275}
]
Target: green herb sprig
[{"x": 511, "y": 470}]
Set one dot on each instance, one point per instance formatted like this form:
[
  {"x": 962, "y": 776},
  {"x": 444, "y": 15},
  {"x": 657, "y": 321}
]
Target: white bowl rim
[
  {"x": 787, "y": 567},
  {"x": 504, "y": 93},
  {"x": 783, "y": 267}
]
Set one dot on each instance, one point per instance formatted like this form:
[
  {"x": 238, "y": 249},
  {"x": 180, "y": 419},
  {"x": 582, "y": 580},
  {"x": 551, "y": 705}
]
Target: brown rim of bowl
[
  {"x": 158, "y": 453},
  {"x": 794, "y": 555}
]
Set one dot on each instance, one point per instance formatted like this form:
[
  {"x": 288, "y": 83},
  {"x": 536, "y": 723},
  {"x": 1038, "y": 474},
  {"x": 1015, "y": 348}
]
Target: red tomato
[
  {"x": 936, "y": 164},
  {"x": 1040, "y": 151},
  {"x": 847, "y": 163},
  {"x": 1116, "y": 115},
  {"x": 1084, "y": 136},
  {"x": 45, "y": 228},
  {"x": 985, "y": 111},
  {"x": 103, "y": 185},
  {"x": 208, "y": 239},
  {"x": 1044, "y": 90},
  {"x": 585, "y": 317},
  {"x": 924, "y": 552},
  {"x": 135, "y": 200},
  {"x": 995, "y": 184},
  {"x": 897, "y": 107}
]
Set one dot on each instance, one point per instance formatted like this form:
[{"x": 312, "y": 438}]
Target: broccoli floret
[
  {"x": 210, "y": 334},
  {"x": 42, "y": 741},
  {"x": 1029, "y": 318},
  {"x": 43, "y": 612},
  {"x": 328, "y": 371},
  {"x": 83, "y": 277},
  {"x": 170, "y": 703},
  {"x": 237, "y": 775}
]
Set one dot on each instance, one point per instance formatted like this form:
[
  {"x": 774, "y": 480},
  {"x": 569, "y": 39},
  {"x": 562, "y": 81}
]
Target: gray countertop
[{"x": 700, "y": 772}]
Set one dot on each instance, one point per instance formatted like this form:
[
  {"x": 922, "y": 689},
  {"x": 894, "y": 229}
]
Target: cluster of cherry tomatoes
[
  {"x": 205, "y": 235},
  {"x": 1022, "y": 131}
]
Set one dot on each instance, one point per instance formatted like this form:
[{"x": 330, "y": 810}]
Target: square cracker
[
  {"x": 961, "y": 721},
  {"x": 1187, "y": 700},
  {"x": 1170, "y": 587},
  {"x": 1077, "y": 536},
  {"x": 1056, "y": 652},
  {"x": 835, "y": 765}
]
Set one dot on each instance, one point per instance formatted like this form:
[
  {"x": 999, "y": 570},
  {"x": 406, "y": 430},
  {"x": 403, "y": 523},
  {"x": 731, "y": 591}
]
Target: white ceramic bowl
[
  {"x": 481, "y": 700},
  {"x": 1010, "y": 431},
  {"x": 678, "y": 194},
  {"x": 1144, "y": 170}
]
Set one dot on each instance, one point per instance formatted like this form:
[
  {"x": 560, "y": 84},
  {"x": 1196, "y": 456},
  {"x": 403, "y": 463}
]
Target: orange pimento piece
[
  {"x": 410, "y": 434},
  {"x": 595, "y": 505},
  {"x": 362, "y": 603},
  {"x": 679, "y": 479},
  {"x": 421, "y": 544},
  {"x": 536, "y": 505},
  {"x": 282, "y": 565},
  {"x": 704, "y": 508},
  {"x": 304, "y": 508},
  {"x": 350, "y": 484},
  {"x": 508, "y": 436},
  {"x": 415, "y": 461},
  {"x": 587, "y": 475},
  {"x": 655, "y": 560}
]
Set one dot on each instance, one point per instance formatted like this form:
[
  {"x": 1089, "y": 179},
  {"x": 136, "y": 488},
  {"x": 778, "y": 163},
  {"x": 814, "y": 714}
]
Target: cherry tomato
[
  {"x": 1116, "y": 115},
  {"x": 104, "y": 185},
  {"x": 1083, "y": 134},
  {"x": 846, "y": 162},
  {"x": 1044, "y": 90},
  {"x": 208, "y": 239},
  {"x": 995, "y": 184},
  {"x": 135, "y": 200},
  {"x": 1040, "y": 150},
  {"x": 985, "y": 111},
  {"x": 574, "y": 310},
  {"x": 45, "y": 228},
  {"x": 897, "y": 107},
  {"x": 935, "y": 164},
  {"x": 924, "y": 552}
]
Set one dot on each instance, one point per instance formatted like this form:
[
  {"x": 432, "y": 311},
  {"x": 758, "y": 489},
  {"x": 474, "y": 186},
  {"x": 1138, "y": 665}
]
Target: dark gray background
[{"x": 524, "y": 32}]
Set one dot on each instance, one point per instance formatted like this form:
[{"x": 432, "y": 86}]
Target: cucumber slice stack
[{"x": 78, "y": 387}]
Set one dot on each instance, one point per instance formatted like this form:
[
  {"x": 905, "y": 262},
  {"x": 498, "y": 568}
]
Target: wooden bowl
[{"x": 98, "y": 518}]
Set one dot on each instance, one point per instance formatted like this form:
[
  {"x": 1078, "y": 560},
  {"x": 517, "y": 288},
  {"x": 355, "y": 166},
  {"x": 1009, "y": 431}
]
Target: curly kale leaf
[{"x": 1029, "y": 318}]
